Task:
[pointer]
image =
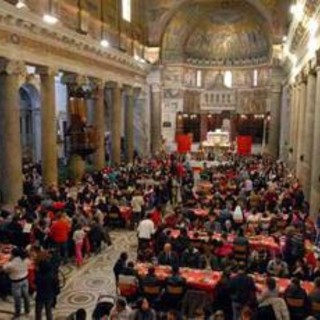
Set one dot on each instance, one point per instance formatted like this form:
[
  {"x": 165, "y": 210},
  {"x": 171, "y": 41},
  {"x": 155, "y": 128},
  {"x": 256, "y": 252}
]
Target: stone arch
[{"x": 30, "y": 121}]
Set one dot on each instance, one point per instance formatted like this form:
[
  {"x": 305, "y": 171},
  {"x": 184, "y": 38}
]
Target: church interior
[{"x": 165, "y": 152}]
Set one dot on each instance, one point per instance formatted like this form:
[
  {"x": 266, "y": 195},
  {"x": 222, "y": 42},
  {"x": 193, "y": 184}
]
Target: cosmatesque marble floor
[{"x": 84, "y": 285}]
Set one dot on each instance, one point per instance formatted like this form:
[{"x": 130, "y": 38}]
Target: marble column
[
  {"x": 293, "y": 116},
  {"x": 203, "y": 127},
  {"x": 307, "y": 146},
  {"x": 129, "y": 123},
  {"x": 115, "y": 123},
  {"x": 49, "y": 151},
  {"x": 275, "y": 114},
  {"x": 156, "y": 118},
  {"x": 11, "y": 72},
  {"x": 315, "y": 168},
  {"x": 99, "y": 156},
  {"x": 296, "y": 127},
  {"x": 300, "y": 127}
]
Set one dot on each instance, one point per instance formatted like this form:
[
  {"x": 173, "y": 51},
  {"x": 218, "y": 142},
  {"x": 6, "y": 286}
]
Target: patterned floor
[{"x": 86, "y": 284}]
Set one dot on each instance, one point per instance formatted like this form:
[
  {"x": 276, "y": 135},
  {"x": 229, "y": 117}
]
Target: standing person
[
  {"x": 59, "y": 233},
  {"x": 46, "y": 287},
  {"x": 17, "y": 270},
  {"x": 137, "y": 204},
  {"x": 145, "y": 231},
  {"x": 78, "y": 238},
  {"x": 243, "y": 291}
]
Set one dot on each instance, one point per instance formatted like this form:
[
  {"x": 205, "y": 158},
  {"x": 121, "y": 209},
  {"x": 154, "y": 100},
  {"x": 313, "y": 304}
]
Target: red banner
[
  {"x": 184, "y": 142},
  {"x": 244, "y": 144}
]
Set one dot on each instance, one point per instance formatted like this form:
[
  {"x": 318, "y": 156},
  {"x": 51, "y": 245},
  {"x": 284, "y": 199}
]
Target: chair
[
  {"x": 315, "y": 307},
  {"x": 115, "y": 219},
  {"x": 128, "y": 287},
  {"x": 194, "y": 303},
  {"x": 173, "y": 296},
  {"x": 152, "y": 292},
  {"x": 295, "y": 302}
]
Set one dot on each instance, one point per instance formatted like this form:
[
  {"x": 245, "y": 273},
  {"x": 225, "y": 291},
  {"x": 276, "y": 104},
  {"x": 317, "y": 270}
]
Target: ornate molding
[
  {"x": 25, "y": 32},
  {"x": 12, "y": 67}
]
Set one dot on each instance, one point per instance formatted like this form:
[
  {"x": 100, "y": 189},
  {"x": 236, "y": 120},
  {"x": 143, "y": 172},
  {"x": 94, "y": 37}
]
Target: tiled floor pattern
[{"x": 86, "y": 284}]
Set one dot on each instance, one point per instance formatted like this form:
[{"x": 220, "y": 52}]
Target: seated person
[
  {"x": 277, "y": 267},
  {"x": 297, "y": 300},
  {"x": 181, "y": 243},
  {"x": 150, "y": 282},
  {"x": 143, "y": 311},
  {"x": 191, "y": 258},
  {"x": 167, "y": 257},
  {"x": 175, "y": 287},
  {"x": 121, "y": 311},
  {"x": 314, "y": 298}
]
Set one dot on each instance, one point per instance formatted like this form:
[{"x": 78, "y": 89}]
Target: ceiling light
[
  {"x": 313, "y": 26},
  {"x": 20, "y": 4},
  {"x": 50, "y": 19},
  {"x": 297, "y": 11},
  {"x": 284, "y": 39},
  {"x": 312, "y": 46},
  {"x": 104, "y": 43}
]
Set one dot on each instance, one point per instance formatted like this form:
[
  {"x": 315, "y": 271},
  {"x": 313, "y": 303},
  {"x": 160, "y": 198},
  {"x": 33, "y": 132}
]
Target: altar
[{"x": 217, "y": 139}]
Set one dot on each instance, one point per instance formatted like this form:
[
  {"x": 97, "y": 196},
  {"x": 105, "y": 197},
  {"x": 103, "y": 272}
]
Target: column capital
[
  {"x": 11, "y": 67},
  {"x": 46, "y": 71},
  {"x": 74, "y": 79},
  {"x": 155, "y": 87},
  {"x": 113, "y": 85}
]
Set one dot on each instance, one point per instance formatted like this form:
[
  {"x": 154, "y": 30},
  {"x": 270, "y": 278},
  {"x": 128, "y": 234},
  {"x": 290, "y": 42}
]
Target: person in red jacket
[
  {"x": 156, "y": 216},
  {"x": 59, "y": 233}
]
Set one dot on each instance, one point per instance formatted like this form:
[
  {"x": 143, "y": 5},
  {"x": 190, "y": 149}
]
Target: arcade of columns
[
  {"x": 305, "y": 131},
  {"x": 12, "y": 75}
]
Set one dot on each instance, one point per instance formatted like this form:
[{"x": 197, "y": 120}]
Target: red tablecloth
[
  {"x": 258, "y": 242},
  {"x": 200, "y": 212},
  {"x": 126, "y": 213},
  {"x": 207, "y": 280}
]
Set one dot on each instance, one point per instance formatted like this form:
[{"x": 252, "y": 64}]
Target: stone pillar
[
  {"x": 293, "y": 116},
  {"x": 300, "y": 126},
  {"x": 11, "y": 72},
  {"x": 307, "y": 146},
  {"x": 315, "y": 168},
  {"x": 99, "y": 156},
  {"x": 204, "y": 127},
  {"x": 128, "y": 123},
  {"x": 48, "y": 128},
  {"x": 156, "y": 121},
  {"x": 115, "y": 123},
  {"x": 275, "y": 114}
]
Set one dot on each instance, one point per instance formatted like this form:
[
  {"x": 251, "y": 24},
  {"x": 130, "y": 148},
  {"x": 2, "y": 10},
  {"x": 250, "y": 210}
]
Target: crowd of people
[{"x": 243, "y": 199}]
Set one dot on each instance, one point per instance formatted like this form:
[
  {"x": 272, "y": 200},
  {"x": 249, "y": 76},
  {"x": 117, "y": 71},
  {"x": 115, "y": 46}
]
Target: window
[
  {"x": 255, "y": 78},
  {"x": 126, "y": 10},
  {"x": 228, "y": 79},
  {"x": 199, "y": 78}
]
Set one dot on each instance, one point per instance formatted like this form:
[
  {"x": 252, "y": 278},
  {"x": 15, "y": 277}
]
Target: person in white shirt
[
  {"x": 137, "y": 204},
  {"x": 17, "y": 270},
  {"x": 145, "y": 230}
]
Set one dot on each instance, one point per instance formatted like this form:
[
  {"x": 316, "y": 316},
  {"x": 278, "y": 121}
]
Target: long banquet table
[
  {"x": 256, "y": 242},
  {"x": 207, "y": 280}
]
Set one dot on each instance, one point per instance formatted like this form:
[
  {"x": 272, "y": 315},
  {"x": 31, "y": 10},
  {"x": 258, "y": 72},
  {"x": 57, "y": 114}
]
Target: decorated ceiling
[{"x": 217, "y": 32}]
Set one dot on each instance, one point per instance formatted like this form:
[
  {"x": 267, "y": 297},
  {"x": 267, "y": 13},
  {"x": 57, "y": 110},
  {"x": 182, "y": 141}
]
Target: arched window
[
  {"x": 199, "y": 78},
  {"x": 126, "y": 10},
  {"x": 255, "y": 78},
  {"x": 228, "y": 79}
]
